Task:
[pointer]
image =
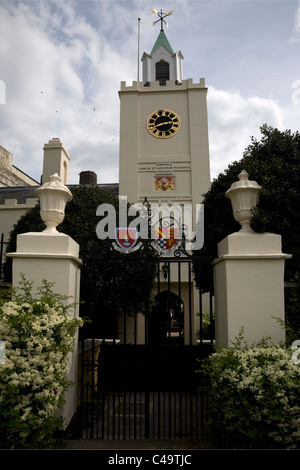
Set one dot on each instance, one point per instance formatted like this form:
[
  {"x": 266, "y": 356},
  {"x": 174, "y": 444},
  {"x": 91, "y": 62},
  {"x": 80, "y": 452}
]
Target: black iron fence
[
  {"x": 144, "y": 414},
  {"x": 141, "y": 392},
  {"x": 143, "y": 382}
]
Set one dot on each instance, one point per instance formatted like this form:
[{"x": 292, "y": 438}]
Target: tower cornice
[{"x": 170, "y": 86}]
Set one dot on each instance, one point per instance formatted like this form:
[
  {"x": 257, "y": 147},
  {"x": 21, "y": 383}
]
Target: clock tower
[{"x": 164, "y": 151}]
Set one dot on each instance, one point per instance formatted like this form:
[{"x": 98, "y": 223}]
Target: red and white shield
[{"x": 126, "y": 237}]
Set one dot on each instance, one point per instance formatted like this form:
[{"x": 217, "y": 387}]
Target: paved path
[{"x": 139, "y": 444}]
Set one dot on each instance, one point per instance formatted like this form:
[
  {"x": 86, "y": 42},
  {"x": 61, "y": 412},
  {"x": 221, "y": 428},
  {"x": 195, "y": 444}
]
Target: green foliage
[
  {"x": 110, "y": 283},
  {"x": 292, "y": 308},
  {"x": 208, "y": 326},
  {"x": 273, "y": 162},
  {"x": 38, "y": 334},
  {"x": 254, "y": 397}
]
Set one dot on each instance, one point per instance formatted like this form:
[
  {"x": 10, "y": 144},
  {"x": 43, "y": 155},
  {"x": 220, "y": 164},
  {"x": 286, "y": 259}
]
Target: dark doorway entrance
[{"x": 167, "y": 319}]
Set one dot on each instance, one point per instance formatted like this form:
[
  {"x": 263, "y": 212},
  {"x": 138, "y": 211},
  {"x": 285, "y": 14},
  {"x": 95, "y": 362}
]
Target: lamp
[{"x": 165, "y": 269}]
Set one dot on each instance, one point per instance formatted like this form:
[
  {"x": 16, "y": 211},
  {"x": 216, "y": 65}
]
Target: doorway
[{"x": 166, "y": 325}]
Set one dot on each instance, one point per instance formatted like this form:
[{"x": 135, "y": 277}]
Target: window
[{"x": 162, "y": 72}]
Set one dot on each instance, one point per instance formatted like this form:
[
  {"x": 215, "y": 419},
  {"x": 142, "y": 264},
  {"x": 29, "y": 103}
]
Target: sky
[{"x": 62, "y": 62}]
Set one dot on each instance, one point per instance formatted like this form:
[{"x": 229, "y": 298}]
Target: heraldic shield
[
  {"x": 126, "y": 237},
  {"x": 166, "y": 237}
]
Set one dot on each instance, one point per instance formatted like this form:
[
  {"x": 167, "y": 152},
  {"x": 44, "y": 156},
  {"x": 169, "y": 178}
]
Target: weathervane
[{"x": 162, "y": 17}]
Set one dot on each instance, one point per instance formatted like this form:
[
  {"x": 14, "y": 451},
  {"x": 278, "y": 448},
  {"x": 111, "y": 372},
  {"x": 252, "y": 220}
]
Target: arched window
[{"x": 162, "y": 72}]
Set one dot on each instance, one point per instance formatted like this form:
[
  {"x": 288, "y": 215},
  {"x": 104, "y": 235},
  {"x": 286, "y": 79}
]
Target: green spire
[{"x": 162, "y": 40}]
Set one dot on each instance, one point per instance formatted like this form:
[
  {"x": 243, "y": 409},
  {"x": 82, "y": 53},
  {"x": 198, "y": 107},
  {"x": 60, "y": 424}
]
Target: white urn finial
[
  {"x": 243, "y": 195},
  {"x": 53, "y": 197}
]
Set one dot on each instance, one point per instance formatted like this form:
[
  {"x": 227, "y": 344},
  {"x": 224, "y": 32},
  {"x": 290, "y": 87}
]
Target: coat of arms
[
  {"x": 126, "y": 237},
  {"x": 165, "y": 237},
  {"x": 164, "y": 183}
]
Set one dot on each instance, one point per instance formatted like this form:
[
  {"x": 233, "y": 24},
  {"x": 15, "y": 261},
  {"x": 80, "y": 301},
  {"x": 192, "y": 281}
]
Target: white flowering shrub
[
  {"x": 254, "y": 397},
  {"x": 38, "y": 335}
]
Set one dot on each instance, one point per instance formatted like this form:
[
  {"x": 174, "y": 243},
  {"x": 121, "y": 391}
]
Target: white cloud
[
  {"x": 61, "y": 70},
  {"x": 296, "y": 35},
  {"x": 233, "y": 120},
  {"x": 62, "y": 63}
]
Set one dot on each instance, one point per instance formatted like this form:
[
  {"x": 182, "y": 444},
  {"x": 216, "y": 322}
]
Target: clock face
[{"x": 163, "y": 123}]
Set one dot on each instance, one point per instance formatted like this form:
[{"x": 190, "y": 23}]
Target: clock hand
[{"x": 161, "y": 124}]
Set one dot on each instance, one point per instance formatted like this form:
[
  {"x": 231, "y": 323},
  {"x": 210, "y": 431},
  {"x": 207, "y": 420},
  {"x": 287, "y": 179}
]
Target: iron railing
[
  {"x": 147, "y": 387},
  {"x": 139, "y": 406}
]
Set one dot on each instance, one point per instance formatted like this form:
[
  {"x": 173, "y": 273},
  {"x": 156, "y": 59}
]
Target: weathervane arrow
[{"x": 162, "y": 17}]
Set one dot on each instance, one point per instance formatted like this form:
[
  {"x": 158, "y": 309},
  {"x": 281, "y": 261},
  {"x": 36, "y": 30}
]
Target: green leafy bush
[
  {"x": 292, "y": 308},
  {"x": 38, "y": 335},
  {"x": 208, "y": 326},
  {"x": 275, "y": 153},
  {"x": 113, "y": 283},
  {"x": 254, "y": 397}
]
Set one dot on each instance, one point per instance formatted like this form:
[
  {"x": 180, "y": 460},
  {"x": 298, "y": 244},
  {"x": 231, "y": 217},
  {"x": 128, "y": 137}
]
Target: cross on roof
[{"x": 161, "y": 16}]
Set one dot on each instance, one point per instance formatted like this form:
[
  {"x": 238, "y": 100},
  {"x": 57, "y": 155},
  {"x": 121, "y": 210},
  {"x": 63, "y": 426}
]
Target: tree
[
  {"x": 273, "y": 162},
  {"x": 111, "y": 282}
]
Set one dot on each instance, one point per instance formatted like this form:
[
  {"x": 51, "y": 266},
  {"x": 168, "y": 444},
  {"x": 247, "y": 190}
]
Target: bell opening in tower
[{"x": 162, "y": 72}]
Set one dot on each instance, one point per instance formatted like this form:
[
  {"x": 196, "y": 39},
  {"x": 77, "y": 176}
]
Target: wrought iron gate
[{"x": 143, "y": 384}]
